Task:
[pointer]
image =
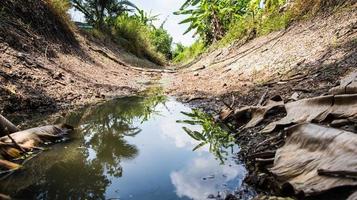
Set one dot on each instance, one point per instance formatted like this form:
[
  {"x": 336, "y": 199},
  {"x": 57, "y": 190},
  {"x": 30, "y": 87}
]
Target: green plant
[
  {"x": 186, "y": 54},
  {"x": 131, "y": 34},
  {"x": 146, "y": 18},
  {"x": 179, "y": 48},
  {"x": 96, "y": 11},
  {"x": 162, "y": 41},
  {"x": 212, "y": 133},
  {"x": 211, "y": 18},
  {"x": 61, "y": 8}
]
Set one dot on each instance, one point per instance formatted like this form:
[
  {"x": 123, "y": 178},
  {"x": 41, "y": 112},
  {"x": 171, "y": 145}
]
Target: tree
[
  {"x": 95, "y": 11},
  {"x": 210, "y": 18},
  {"x": 146, "y": 18},
  {"x": 162, "y": 41}
]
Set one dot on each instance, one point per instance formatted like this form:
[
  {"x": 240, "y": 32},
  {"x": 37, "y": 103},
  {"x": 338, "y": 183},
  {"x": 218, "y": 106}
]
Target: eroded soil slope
[
  {"x": 308, "y": 58},
  {"x": 47, "y": 65}
]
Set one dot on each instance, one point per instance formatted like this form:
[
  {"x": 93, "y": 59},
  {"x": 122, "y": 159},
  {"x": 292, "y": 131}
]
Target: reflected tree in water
[{"x": 97, "y": 151}]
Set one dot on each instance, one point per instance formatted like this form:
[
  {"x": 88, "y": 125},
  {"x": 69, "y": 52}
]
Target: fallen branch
[
  {"x": 337, "y": 173},
  {"x": 6, "y": 127}
]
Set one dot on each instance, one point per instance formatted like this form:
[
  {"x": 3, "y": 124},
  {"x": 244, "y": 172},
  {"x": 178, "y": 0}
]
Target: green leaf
[
  {"x": 190, "y": 133},
  {"x": 199, "y": 135},
  {"x": 199, "y": 146}
]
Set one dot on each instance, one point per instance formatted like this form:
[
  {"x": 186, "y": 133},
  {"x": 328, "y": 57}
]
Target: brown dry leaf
[
  {"x": 7, "y": 165},
  {"x": 317, "y": 109},
  {"x": 225, "y": 113},
  {"x": 257, "y": 113},
  {"x": 310, "y": 147},
  {"x": 31, "y": 138},
  {"x": 347, "y": 85},
  {"x": 264, "y": 197},
  {"x": 353, "y": 196}
]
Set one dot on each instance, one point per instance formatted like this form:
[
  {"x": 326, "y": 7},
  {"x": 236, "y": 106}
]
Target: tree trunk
[{"x": 6, "y": 127}]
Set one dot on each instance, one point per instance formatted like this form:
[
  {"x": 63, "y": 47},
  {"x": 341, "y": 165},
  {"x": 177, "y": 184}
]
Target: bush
[
  {"x": 162, "y": 41},
  {"x": 61, "y": 8},
  {"x": 189, "y": 53},
  {"x": 132, "y": 35}
]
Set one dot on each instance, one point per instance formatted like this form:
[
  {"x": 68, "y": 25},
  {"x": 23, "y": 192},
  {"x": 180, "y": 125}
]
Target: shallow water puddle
[{"x": 130, "y": 148}]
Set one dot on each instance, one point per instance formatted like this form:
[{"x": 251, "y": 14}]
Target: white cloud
[
  {"x": 190, "y": 182},
  {"x": 166, "y": 8}
]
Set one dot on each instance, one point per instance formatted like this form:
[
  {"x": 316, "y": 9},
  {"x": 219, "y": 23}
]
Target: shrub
[
  {"x": 162, "y": 41},
  {"x": 189, "y": 53},
  {"x": 61, "y": 8},
  {"x": 132, "y": 35}
]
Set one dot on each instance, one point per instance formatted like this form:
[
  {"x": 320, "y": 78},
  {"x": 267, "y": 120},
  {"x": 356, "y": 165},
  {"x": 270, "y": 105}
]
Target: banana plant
[
  {"x": 97, "y": 11},
  {"x": 146, "y": 18},
  {"x": 210, "y": 19}
]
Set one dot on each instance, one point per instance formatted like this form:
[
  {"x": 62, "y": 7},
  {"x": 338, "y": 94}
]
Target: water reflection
[
  {"x": 130, "y": 148},
  {"x": 219, "y": 140},
  {"x": 201, "y": 178},
  {"x": 99, "y": 147}
]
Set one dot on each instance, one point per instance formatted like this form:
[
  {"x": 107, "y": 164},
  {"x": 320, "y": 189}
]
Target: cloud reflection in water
[{"x": 203, "y": 176}]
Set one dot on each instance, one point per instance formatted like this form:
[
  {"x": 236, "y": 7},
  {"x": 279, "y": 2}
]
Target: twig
[
  {"x": 16, "y": 144},
  {"x": 193, "y": 99},
  {"x": 265, "y": 154},
  {"x": 262, "y": 98},
  {"x": 46, "y": 52},
  {"x": 270, "y": 139},
  {"x": 302, "y": 90},
  {"x": 233, "y": 101},
  {"x": 59, "y": 82},
  {"x": 337, "y": 173},
  {"x": 230, "y": 106},
  {"x": 264, "y": 161}
]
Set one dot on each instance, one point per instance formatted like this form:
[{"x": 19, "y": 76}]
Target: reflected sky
[{"x": 130, "y": 148}]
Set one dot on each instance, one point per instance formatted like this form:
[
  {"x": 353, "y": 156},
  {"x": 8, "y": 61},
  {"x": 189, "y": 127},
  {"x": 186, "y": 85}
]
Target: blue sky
[{"x": 165, "y": 8}]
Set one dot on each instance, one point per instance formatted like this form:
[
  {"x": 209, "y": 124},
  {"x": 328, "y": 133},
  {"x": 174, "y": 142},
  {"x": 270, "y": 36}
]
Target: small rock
[
  {"x": 225, "y": 84},
  {"x": 231, "y": 197},
  {"x": 196, "y": 74},
  {"x": 339, "y": 122},
  {"x": 58, "y": 75},
  {"x": 295, "y": 96},
  {"x": 21, "y": 55},
  {"x": 6, "y": 64}
]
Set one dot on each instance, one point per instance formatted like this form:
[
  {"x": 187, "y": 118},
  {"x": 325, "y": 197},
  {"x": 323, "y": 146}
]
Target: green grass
[
  {"x": 190, "y": 53},
  {"x": 133, "y": 36},
  {"x": 61, "y": 8},
  {"x": 263, "y": 23}
]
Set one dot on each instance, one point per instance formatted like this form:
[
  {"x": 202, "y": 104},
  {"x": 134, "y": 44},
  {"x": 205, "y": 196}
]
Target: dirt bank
[
  {"x": 48, "y": 65},
  {"x": 308, "y": 58}
]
